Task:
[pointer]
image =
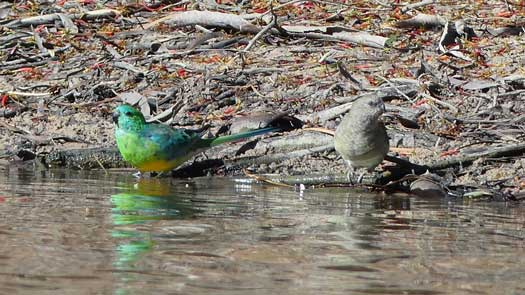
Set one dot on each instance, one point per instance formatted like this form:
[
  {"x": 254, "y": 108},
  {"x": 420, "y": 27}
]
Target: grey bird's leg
[
  {"x": 360, "y": 178},
  {"x": 350, "y": 173}
]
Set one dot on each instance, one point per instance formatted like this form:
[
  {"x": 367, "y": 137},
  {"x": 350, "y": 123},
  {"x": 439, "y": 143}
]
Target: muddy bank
[{"x": 454, "y": 86}]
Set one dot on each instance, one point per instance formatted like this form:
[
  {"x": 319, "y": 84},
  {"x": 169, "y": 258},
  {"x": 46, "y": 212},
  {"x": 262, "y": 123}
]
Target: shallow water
[{"x": 65, "y": 232}]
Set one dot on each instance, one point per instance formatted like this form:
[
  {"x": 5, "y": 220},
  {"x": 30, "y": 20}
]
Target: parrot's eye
[{"x": 129, "y": 114}]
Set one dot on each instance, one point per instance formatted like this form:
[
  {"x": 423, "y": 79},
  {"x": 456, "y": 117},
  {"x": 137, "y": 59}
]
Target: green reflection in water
[
  {"x": 134, "y": 208},
  {"x": 146, "y": 201}
]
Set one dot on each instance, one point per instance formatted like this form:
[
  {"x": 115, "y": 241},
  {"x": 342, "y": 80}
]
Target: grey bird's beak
[{"x": 115, "y": 116}]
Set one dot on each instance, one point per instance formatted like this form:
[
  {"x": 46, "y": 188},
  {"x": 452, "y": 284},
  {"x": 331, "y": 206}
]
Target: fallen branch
[
  {"x": 416, "y": 5},
  {"x": 492, "y": 152},
  {"x": 263, "y": 179},
  {"x": 337, "y": 34},
  {"x": 91, "y": 158},
  {"x": 278, "y": 157},
  {"x": 327, "y": 114},
  {"x": 50, "y": 18},
  {"x": 206, "y": 18}
]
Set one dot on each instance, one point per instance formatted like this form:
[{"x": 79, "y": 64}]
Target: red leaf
[
  {"x": 26, "y": 70},
  {"x": 505, "y": 14},
  {"x": 450, "y": 152},
  {"x": 420, "y": 102},
  {"x": 229, "y": 110},
  {"x": 97, "y": 65},
  {"x": 40, "y": 28},
  {"x": 4, "y": 100},
  {"x": 182, "y": 73}
]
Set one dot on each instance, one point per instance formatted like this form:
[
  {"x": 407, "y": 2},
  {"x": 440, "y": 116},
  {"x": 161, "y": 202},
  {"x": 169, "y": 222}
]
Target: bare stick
[
  {"x": 397, "y": 90},
  {"x": 260, "y": 34},
  {"x": 29, "y": 94},
  {"x": 417, "y": 5}
]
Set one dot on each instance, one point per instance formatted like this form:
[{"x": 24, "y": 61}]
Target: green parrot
[{"x": 158, "y": 147}]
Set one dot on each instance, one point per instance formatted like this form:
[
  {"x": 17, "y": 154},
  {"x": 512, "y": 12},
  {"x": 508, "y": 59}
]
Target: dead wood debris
[{"x": 454, "y": 87}]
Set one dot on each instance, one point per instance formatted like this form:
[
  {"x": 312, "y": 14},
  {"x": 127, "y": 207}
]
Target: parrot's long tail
[{"x": 242, "y": 135}]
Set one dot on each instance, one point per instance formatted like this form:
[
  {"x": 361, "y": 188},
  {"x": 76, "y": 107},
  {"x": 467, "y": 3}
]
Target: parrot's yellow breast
[{"x": 160, "y": 165}]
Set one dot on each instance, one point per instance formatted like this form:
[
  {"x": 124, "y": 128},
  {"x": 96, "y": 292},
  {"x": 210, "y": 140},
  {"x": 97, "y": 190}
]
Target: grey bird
[{"x": 361, "y": 137}]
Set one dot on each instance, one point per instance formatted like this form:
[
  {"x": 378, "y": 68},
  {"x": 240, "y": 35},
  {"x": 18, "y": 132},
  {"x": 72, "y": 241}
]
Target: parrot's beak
[{"x": 116, "y": 114}]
